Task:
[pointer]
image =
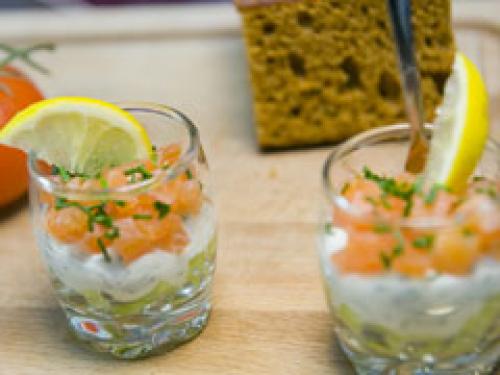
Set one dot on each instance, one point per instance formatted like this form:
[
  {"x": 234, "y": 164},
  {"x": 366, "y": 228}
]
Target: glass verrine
[
  {"x": 131, "y": 252},
  {"x": 411, "y": 272}
]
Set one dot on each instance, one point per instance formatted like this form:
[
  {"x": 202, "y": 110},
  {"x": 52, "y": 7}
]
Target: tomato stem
[{"x": 24, "y": 54}]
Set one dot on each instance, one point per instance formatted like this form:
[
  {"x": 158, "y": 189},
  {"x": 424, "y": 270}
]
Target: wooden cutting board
[{"x": 269, "y": 312}]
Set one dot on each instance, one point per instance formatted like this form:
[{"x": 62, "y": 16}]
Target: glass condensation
[
  {"x": 138, "y": 281},
  {"x": 391, "y": 324}
]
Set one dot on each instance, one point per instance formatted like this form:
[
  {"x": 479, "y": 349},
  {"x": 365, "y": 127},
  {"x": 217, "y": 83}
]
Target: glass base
[
  {"x": 141, "y": 336},
  {"x": 470, "y": 364}
]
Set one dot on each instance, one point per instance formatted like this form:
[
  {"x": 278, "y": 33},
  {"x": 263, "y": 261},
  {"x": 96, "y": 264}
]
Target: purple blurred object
[{"x": 121, "y": 2}]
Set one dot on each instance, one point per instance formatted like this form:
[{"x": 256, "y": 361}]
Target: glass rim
[
  {"x": 398, "y": 131},
  {"x": 178, "y": 167}
]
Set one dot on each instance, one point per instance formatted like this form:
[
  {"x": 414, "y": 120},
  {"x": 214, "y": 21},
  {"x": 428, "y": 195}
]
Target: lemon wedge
[
  {"x": 461, "y": 127},
  {"x": 80, "y": 134}
]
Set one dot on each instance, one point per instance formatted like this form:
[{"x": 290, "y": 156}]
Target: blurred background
[{"x": 13, "y": 4}]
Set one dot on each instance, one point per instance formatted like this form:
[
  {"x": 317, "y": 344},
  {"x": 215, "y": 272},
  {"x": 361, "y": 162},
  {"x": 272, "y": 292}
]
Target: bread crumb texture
[{"x": 323, "y": 70}]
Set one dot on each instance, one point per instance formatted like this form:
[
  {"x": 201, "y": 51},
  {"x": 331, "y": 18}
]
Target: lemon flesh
[
  {"x": 461, "y": 128},
  {"x": 82, "y": 135}
]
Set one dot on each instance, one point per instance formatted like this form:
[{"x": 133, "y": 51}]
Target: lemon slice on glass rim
[
  {"x": 461, "y": 127},
  {"x": 80, "y": 134}
]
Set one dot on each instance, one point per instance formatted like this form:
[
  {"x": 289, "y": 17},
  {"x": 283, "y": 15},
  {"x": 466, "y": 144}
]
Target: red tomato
[{"x": 16, "y": 93}]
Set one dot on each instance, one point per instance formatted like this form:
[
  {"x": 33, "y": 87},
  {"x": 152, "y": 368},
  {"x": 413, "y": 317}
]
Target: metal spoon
[{"x": 400, "y": 14}]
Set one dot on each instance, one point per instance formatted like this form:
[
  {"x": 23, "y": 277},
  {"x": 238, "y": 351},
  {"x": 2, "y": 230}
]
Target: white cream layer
[
  {"x": 82, "y": 273},
  {"x": 437, "y": 304}
]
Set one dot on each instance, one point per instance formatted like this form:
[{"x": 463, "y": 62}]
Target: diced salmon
[
  {"x": 189, "y": 198},
  {"x": 175, "y": 237},
  {"x": 115, "y": 178},
  {"x": 413, "y": 262},
  {"x": 67, "y": 225},
  {"x": 363, "y": 252},
  {"x": 136, "y": 225},
  {"x": 169, "y": 155},
  {"x": 90, "y": 240},
  {"x": 132, "y": 242},
  {"x": 441, "y": 206},
  {"x": 455, "y": 252}
]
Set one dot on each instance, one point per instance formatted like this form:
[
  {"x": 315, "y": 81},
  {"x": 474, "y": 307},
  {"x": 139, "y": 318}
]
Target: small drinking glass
[
  {"x": 131, "y": 252},
  {"x": 417, "y": 293}
]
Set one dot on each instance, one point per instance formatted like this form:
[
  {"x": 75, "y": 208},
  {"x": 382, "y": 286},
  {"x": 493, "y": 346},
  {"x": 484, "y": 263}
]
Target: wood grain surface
[{"x": 269, "y": 312}]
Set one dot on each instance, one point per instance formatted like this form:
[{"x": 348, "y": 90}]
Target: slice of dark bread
[{"x": 323, "y": 70}]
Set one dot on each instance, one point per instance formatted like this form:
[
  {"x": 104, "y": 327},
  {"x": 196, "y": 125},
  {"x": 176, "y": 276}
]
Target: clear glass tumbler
[
  {"x": 131, "y": 253},
  {"x": 416, "y": 293}
]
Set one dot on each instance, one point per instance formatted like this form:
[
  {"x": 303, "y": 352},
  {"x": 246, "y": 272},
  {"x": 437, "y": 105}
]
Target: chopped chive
[
  {"x": 372, "y": 200},
  {"x": 90, "y": 223},
  {"x": 103, "y": 249},
  {"x": 120, "y": 203},
  {"x": 398, "y": 249},
  {"x": 381, "y": 228},
  {"x": 408, "y": 207},
  {"x": 418, "y": 185},
  {"x": 424, "y": 242},
  {"x": 112, "y": 233},
  {"x": 154, "y": 154},
  {"x": 489, "y": 191},
  {"x": 389, "y": 186},
  {"x": 328, "y": 227},
  {"x": 145, "y": 174},
  {"x": 98, "y": 208},
  {"x": 478, "y": 178},
  {"x": 385, "y": 202},
  {"x": 64, "y": 203},
  {"x": 63, "y": 173},
  {"x": 103, "y": 182},
  {"x": 345, "y": 187},
  {"x": 162, "y": 208},
  {"x": 467, "y": 232},
  {"x": 386, "y": 260},
  {"x": 142, "y": 217},
  {"x": 189, "y": 174},
  {"x": 432, "y": 194},
  {"x": 104, "y": 220},
  {"x": 61, "y": 203},
  {"x": 492, "y": 193},
  {"x": 66, "y": 175}
]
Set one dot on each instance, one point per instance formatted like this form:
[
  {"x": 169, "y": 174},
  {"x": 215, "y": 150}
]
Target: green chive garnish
[
  {"x": 64, "y": 174},
  {"x": 424, "y": 242},
  {"x": 140, "y": 170},
  {"x": 142, "y": 217},
  {"x": 386, "y": 260},
  {"x": 104, "y": 220},
  {"x": 467, "y": 232},
  {"x": 328, "y": 227},
  {"x": 112, "y": 233},
  {"x": 103, "y": 249},
  {"x": 162, "y": 208},
  {"x": 432, "y": 194},
  {"x": 103, "y": 182},
  {"x": 381, "y": 228}
]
